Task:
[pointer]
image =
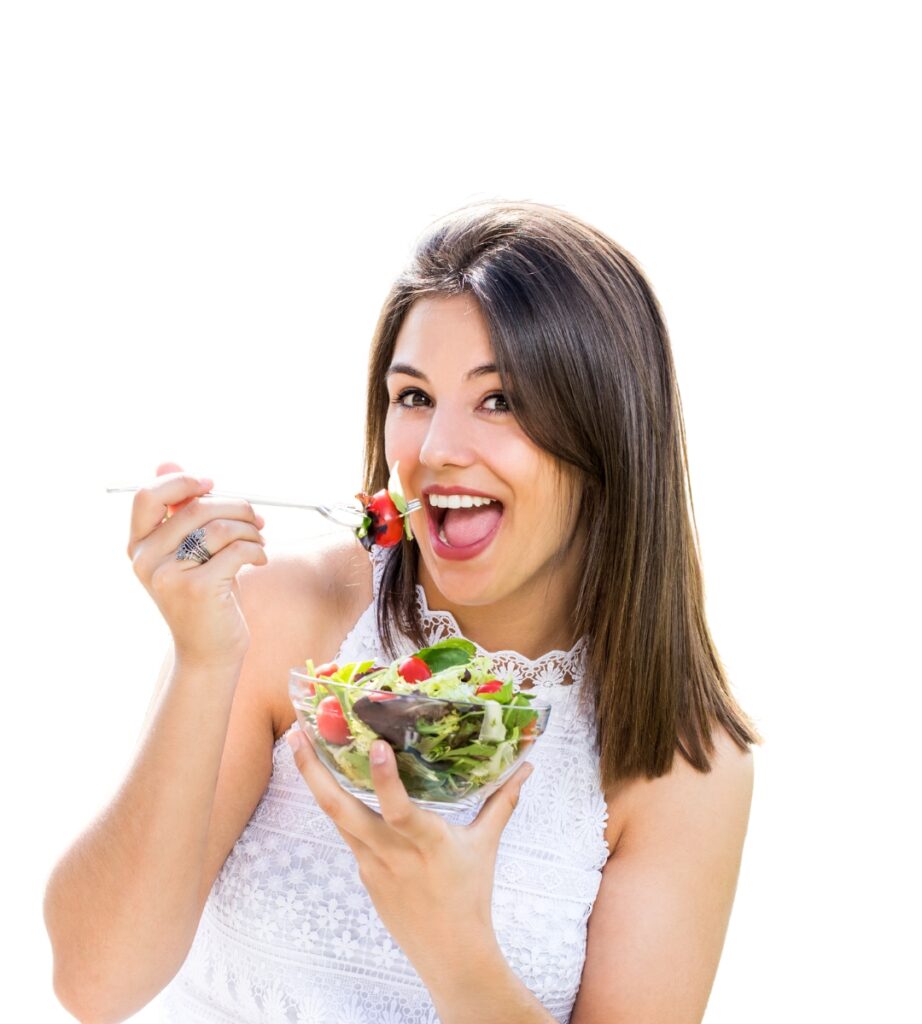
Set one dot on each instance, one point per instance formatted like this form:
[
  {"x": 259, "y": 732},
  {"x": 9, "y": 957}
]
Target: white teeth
[
  {"x": 442, "y": 536},
  {"x": 458, "y": 501}
]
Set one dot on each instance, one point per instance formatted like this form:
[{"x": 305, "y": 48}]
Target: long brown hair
[{"x": 583, "y": 353}]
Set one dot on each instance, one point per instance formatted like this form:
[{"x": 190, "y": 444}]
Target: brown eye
[
  {"x": 407, "y": 399},
  {"x": 501, "y": 405}
]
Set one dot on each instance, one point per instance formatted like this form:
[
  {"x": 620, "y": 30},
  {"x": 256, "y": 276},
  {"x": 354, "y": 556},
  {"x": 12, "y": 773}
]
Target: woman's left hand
[{"x": 431, "y": 882}]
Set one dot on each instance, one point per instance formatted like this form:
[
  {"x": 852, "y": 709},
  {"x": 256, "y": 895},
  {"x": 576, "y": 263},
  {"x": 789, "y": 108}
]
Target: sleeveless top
[{"x": 289, "y": 934}]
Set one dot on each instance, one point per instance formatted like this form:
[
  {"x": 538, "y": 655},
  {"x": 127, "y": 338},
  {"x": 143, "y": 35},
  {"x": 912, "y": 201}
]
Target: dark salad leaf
[{"x": 395, "y": 720}]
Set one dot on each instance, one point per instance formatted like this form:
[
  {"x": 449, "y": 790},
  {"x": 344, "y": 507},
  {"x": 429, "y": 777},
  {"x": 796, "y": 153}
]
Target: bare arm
[
  {"x": 658, "y": 924},
  {"x": 123, "y": 904}
]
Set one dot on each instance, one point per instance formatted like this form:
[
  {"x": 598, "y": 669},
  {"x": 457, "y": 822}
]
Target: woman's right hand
[{"x": 199, "y": 602}]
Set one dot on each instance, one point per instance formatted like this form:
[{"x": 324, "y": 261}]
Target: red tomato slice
[
  {"x": 331, "y": 722},
  {"x": 490, "y": 686},
  {"x": 414, "y": 670}
]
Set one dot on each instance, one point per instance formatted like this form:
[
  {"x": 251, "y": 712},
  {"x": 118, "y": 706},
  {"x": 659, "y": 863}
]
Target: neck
[{"x": 531, "y": 622}]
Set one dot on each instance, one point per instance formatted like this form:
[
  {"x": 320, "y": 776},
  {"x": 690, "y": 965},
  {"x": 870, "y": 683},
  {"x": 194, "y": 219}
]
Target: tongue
[{"x": 463, "y": 526}]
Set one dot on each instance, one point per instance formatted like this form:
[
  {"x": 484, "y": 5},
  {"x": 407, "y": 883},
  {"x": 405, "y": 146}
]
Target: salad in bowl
[{"x": 457, "y": 730}]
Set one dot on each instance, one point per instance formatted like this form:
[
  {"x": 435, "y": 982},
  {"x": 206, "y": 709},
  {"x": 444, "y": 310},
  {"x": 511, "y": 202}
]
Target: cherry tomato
[
  {"x": 331, "y": 722},
  {"x": 387, "y": 524},
  {"x": 490, "y": 686},
  {"x": 327, "y": 669},
  {"x": 414, "y": 670}
]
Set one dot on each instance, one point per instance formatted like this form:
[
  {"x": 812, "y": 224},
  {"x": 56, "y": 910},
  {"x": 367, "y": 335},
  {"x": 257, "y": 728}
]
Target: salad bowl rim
[{"x": 534, "y": 704}]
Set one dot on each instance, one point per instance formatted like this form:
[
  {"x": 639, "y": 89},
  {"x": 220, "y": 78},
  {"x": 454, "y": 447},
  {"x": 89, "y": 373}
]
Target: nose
[{"x": 447, "y": 441}]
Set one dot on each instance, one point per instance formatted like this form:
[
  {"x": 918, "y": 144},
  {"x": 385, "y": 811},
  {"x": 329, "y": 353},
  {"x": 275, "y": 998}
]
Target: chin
[{"x": 461, "y": 584}]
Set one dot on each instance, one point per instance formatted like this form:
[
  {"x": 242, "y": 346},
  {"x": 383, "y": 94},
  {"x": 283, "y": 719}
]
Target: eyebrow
[{"x": 411, "y": 371}]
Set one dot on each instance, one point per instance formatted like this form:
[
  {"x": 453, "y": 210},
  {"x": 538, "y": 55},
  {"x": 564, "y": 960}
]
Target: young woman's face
[{"x": 449, "y": 427}]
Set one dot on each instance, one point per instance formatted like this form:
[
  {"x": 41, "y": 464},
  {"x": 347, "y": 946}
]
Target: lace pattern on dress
[{"x": 290, "y": 936}]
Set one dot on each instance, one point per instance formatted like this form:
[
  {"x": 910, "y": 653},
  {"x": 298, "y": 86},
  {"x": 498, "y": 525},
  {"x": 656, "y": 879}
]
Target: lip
[{"x": 446, "y": 551}]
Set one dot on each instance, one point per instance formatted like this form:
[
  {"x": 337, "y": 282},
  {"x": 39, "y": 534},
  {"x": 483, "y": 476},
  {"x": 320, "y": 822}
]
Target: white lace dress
[{"x": 290, "y": 936}]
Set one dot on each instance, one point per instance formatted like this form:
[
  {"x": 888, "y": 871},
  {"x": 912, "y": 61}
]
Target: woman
[{"x": 521, "y": 357}]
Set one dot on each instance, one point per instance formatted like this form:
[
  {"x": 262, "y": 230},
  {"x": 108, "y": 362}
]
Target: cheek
[
  {"x": 401, "y": 441},
  {"x": 554, "y": 500}
]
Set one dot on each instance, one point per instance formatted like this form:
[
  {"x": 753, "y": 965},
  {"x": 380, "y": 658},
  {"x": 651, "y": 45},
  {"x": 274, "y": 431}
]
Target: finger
[
  {"x": 347, "y": 812},
  {"x": 200, "y": 512},
  {"x": 398, "y": 810},
  {"x": 360, "y": 851},
  {"x": 152, "y": 503},
  {"x": 218, "y": 534},
  {"x": 163, "y": 544},
  {"x": 224, "y": 566},
  {"x": 172, "y": 576},
  {"x": 148, "y": 552},
  {"x": 162, "y": 470},
  {"x": 498, "y": 809}
]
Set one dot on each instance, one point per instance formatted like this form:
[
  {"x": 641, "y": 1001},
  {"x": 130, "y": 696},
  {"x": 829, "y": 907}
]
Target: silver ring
[{"x": 193, "y": 547}]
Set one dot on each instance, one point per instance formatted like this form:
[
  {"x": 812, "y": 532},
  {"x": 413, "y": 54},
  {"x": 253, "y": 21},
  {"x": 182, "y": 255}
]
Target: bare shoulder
[
  {"x": 302, "y": 605},
  {"x": 334, "y": 573},
  {"x": 658, "y": 924},
  {"x": 683, "y": 793}
]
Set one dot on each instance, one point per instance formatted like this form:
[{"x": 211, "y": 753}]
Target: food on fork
[{"x": 386, "y": 518}]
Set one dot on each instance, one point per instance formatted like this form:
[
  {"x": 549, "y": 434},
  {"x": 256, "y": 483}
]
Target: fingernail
[
  {"x": 378, "y": 752},
  {"x": 296, "y": 739},
  {"x": 206, "y": 483},
  {"x": 260, "y": 522}
]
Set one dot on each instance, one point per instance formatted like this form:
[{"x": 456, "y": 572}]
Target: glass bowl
[{"x": 451, "y": 755}]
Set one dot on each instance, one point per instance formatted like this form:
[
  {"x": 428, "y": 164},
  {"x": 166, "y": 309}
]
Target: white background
[{"x": 201, "y": 210}]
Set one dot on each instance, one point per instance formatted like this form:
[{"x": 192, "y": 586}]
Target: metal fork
[{"x": 341, "y": 514}]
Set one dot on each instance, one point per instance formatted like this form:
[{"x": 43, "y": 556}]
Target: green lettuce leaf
[{"x": 447, "y": 653}]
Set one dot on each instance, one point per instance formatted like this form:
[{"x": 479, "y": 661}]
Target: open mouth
[{"x": 463, "y": 521}]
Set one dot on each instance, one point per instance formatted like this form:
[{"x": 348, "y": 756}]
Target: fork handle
[
  {"x": 415, "y": 503},
  {"x": 267, "y": 501},
  {"x": 227, "y": 494}
]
